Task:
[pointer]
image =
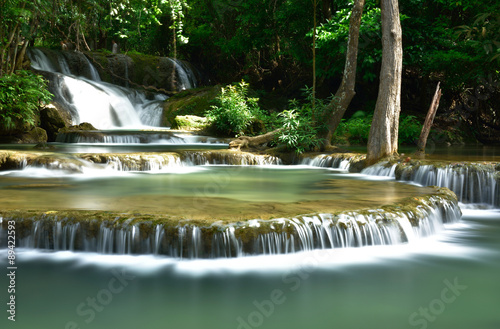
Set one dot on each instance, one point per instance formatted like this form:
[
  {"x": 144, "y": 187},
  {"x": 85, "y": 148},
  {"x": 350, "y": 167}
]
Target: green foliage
[
  {"x": 409, "y": 129},
  {"x": 455, "y": 39},
  {"x": 251, "y": 36},
  {"x": 20, "y": 97},
  {"x": 356, "y": 129},
  {"x": 177, "y": 14},
  {"x": 299, "y": 133},
  {"x": 483, "y": 35},
  {"x": 302, "y": 123},
  {"x": 332, "y": 40},
  {"x": 234, "y": 111}
]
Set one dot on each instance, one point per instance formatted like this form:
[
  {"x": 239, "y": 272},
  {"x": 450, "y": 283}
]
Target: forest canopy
[{"x": 268, "y": 43}]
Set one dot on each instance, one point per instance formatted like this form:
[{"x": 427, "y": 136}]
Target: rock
[
  {"x": 84, "y": 126},
  {"x": 52, "y": 120},
  {"x": 189, "y": 122},
  {"x": 36, "y": 135},
  {"x": 138, "y": 70},
  {"x": 70, "y": 134},
  {"x": 188, "y": 102}
]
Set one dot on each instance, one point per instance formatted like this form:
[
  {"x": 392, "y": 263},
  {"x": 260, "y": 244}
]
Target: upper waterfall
[{"x": 77, "y": 86}]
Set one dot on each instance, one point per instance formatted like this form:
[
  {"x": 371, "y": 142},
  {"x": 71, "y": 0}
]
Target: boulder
[
  {"x": 189, "y": 122},
  {"x": 188, "y": 102},
  {"x": 52, "y": 120},
  {"x": 34, "y": 136}
]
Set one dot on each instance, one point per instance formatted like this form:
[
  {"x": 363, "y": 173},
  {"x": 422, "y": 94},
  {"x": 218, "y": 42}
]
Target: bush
[
  {"x": 298, "y": 133},
  {"x": 409, "y": 129},
  {"x": 234, "y": 111},
  {"x": 21, "y": 95},
  {"x": 356, "y": 129},
  {"x": 302, "y": 123}
]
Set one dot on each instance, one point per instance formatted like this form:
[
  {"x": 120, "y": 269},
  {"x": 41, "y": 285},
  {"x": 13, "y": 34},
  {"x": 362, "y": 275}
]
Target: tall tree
[
  {"x": 383, "y": 138},
  {"x": 337, "y": 107}
]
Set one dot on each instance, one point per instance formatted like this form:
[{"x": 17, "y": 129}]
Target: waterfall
[
  {"x": 104, "y": 105},
  {"x": 67, "y": 63},
  {"x": 471, "y": 182},
  {"x": 385, "y": 226},
  {"x": 94, "y": 75},
  {"x": 143, "y": 163},
  {"x": 337, "y": 161},
  {"x": 186, "y": 77},
  {"x": 40, "y": 61},
  {"x": 197, "y": 158},
  {"x": 381, "y": 169},
  {"x": 79, "y": 163},
  {"x": 155, "y": 162}
]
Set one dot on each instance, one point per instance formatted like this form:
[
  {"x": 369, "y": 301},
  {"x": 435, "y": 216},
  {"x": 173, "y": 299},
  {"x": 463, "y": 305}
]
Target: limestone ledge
[{"x": 207, "y": 238}]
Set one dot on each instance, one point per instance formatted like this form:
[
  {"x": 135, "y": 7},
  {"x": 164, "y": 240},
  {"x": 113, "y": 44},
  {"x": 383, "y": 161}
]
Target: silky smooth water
[
  {"x": 214, "y": 192},
  {"x": 449, "y": 281}
]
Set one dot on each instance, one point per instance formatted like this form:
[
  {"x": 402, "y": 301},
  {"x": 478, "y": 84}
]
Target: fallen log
[{"x": 246, "y": 142}]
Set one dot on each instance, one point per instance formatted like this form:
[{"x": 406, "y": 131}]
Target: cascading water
[
  {"x": 102, "y": 104},
  {"x": 472, "y": 183},
  {"x": 282, "y": 236},
  {"x": 382, "y": 169},
  {"x": 137, "y": 161},
  {"x": 327, "y": 161},
  {"x": 187, "y": 80},
  {"x": 94, "y": 74},
  {"x": 342, "y": 161}
]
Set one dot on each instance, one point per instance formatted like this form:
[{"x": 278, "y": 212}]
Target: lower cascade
[
  {"x": 133, "y": 161},
  {"x": 471, "y": 182},
  {"x": 385, "y": 226},
  {"x": 342, "y": 161}
]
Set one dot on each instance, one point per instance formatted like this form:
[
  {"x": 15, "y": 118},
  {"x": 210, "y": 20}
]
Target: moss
[
  {"x": 188, "y": 102},
  {"x": 189, "y": 122}
]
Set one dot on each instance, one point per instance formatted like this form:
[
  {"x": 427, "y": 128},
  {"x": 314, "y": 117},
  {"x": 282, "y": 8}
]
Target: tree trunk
[
  {"x": 337, "y": 107},
  {"x": 422, "y": 141},
  {"x": 383, "y": 138}
]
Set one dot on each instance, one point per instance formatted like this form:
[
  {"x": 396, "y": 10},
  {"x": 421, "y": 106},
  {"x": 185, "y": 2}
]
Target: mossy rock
[
  {"x": 34, "y": 136},
  {"x": 188, "y": 102},
  {"x": 84, "y": 126},
  {"x": 138, "y": 70},
  {"x": 189, "y": 122},
  {"x": 84, "y": 129},
  {"x": 52, "y": 120}
]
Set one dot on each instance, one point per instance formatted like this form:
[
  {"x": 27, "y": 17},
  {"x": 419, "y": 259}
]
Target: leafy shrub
[
  {"x": 302, "y": 123},
  {"x": 234, "y": 111},
  {"x": 409, "y": 129},
  {"x": 20, "y": 97},
  {"x": 299, "y": 132},
  {"x": 356, "y": 129}
]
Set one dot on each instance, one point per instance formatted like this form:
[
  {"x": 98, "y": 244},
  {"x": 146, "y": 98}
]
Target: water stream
[{"x": 149, "y": 228}]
